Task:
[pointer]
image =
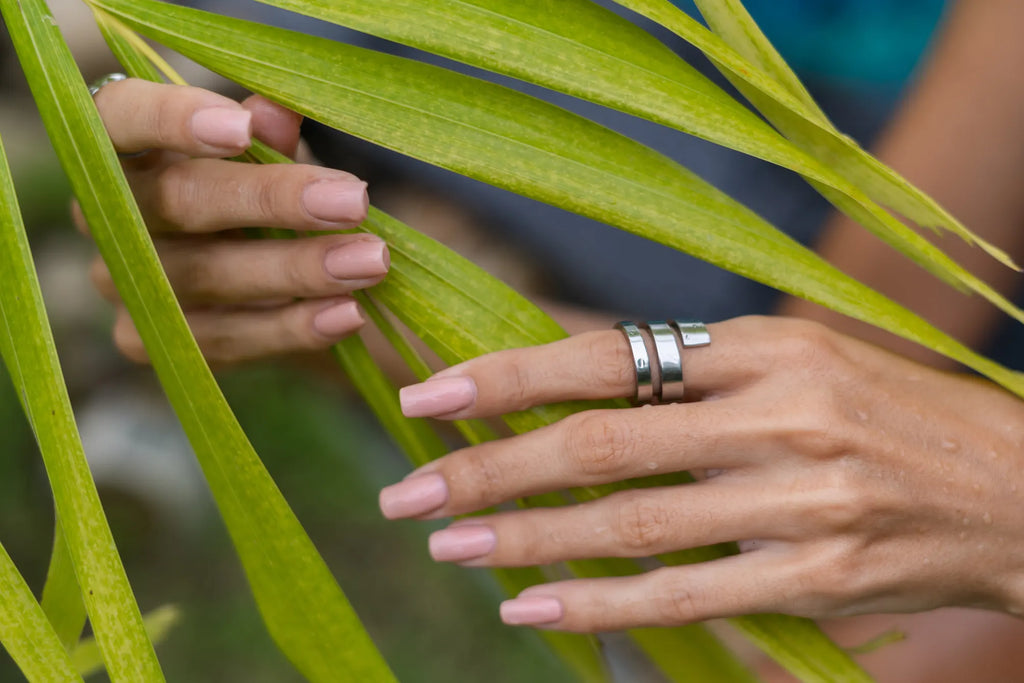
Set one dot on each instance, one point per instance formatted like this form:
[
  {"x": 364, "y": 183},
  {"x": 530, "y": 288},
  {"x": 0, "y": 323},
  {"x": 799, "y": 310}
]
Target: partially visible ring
[
  {"x": 641, "y": 361},
  {"x": 95, "y": 87},
  {"x": 105, "y": 80}
]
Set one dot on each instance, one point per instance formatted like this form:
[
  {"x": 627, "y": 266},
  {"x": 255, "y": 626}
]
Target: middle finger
[{"x": 589, "y": 448}]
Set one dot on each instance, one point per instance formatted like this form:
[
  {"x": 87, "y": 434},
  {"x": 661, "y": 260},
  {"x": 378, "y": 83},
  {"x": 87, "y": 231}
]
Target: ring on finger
[{"x": 661, "y": 381}]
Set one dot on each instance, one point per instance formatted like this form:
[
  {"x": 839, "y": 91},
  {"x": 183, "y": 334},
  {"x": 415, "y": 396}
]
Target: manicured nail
[
  {"x": 229, "y": 129},
  {"x": 414, "y": 497},
  {"x": 358, "y": 260},
  {"x": 437, "y": 396},
  {"x": 531, "y": 611},
  {"x": 338, "y": 320},
  {"x": 336, "y": 201},
  {"x": 462, "y": 543}
]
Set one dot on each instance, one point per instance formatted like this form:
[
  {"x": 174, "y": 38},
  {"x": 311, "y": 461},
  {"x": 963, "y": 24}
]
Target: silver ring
[
  {"x": 668, "y": 385},
  {"x": 661, "y": 381},
  {"x": 105, "y": 80},
  {"x": 641, "y": 361}
]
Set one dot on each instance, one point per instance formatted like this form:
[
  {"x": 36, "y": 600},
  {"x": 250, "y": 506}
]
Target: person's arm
[{"x": 959, "y": 136}]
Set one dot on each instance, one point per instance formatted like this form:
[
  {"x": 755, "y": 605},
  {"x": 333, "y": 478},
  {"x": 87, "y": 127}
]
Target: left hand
[{"x": 855, "y": 480}]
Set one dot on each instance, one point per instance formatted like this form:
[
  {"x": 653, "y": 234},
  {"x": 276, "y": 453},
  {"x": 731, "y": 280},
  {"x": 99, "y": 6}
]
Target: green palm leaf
[
  {"x": 525, "y": 145},
  {"x": 305, "y": 611}
]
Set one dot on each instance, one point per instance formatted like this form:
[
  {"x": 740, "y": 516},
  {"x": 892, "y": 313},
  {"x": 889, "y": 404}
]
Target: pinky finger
[
  {"x": 671, "y": 596},
  {"x": 234, "y": 336}
]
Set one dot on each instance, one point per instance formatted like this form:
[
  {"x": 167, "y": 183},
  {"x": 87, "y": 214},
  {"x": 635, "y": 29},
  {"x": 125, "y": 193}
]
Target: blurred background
[{"x": 433, "y": 623}]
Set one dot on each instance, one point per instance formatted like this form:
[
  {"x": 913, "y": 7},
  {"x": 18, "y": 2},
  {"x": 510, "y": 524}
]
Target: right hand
[{"x": 244, "y": 299}]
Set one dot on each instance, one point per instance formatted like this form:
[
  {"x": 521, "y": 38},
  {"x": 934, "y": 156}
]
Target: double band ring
[{"x": 661, "y": 381}]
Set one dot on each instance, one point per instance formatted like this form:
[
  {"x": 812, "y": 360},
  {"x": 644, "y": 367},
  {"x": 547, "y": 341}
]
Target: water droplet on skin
[
  {"x": 976, "y": 487},
  {"x": 652, "y": 466},
  {"x": 1013, "y": 488},
  {"x": 950, "y": 445},
  {"x": 993, "y": 454},
  {"x": 862, "y": 415},
  {"x": 927, "y": 561},
  {"x": 987, "y": 518},
  {"x": 967, "y": 521},
  {"x": 963, "y": 535}
]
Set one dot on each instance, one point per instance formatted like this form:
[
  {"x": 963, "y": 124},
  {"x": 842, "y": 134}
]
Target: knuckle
[
  {"x": 599, "y": 443},
  {"x": 805, "y": 344},
  {"x": 641, "y": 524},
  {"x": 220, "y": 345},
  {"x": 612, "y": 363},
  {"x": 842, "y": 499},
  {"x": 678, "y": 603},
  {"x": 175, "y": 193},
  {"x": 816, "y": 428},
  {"x": 476, "y": 478}
]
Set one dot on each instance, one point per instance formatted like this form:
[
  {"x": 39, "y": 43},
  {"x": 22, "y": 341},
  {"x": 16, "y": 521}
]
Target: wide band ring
[
  {"x": 641, "y": 361},
  {"x": 661, "y": 380}
]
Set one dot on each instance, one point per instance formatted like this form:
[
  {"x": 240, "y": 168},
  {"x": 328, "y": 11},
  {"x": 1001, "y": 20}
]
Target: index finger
[
  {"x": 140, "y": 115},
  {"x": 589, "y": 366}
]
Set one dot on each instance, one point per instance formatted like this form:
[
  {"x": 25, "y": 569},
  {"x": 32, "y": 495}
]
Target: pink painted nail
[
  {"x": 357, "y": 260},
  {"x": 227, "y": 129},
  {"x": 462, "y": 543},
  {"x": 437, "y": 396},
  {"x": 336, "y": 201},
  {"x": 338, "y": 320},
  {"x": 414, "y": 497},
  {"x": 531, "y": 611}
]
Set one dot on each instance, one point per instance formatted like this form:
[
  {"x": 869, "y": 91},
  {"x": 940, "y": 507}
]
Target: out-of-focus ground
[{"x": 433, "y": 623}]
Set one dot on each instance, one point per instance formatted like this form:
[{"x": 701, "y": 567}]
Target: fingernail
[
  {"x": 338, "y": 320},
  {"x": 223, "y": 128},
  {"x": 437, "y": 396},
  {"x": 531, "y": 611},
  {"x": 336, "y": 201},
  {"x": 357, "y": 260},
  {"x": 461, "y": 543},
  {"x": 414, "y": 497}
]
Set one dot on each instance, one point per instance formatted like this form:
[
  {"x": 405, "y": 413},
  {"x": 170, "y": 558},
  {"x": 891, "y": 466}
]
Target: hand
[
  {"x": 856, "y": 481},
  {"x": 243, "y": 298}
]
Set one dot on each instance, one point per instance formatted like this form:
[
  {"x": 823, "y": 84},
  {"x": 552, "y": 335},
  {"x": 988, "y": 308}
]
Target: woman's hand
[
  {"x": 856, "y": 481},
  {"x": 243, "y": 298}
]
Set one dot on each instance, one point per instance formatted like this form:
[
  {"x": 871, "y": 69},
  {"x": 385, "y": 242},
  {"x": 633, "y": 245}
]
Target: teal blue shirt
[{"x": 874, "y": 43}]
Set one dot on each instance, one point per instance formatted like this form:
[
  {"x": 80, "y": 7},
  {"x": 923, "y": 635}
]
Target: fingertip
[
  {"x": 225, "y": 131},
  {"x": 336, "y": 200},
  {"x": 438, "y": 397},
  {"x": 339, "y": 320},
  {"x": 275, "y": 124},
  {"x": 532, "y": 610}
]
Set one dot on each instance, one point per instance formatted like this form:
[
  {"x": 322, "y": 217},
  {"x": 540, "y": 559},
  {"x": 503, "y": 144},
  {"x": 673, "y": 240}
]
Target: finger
[
  {"x": 207, "y": 195},
  {"x": 140, "y": 115},
  {"x": 227, "y": 337},
  {"x": 594, "y": 365},
  {"x": 274, "y": 124},
  {"x": 233, "y": 271},
  {"x": 751, "y": 583},
  {"x": 78, "y": 218},
  {"x": 590, "y": 448},
  {"x": 637, "y": 523}
]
